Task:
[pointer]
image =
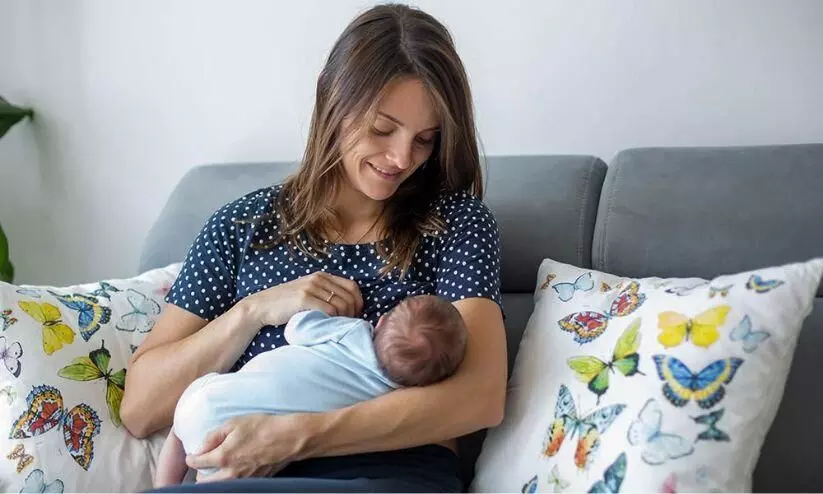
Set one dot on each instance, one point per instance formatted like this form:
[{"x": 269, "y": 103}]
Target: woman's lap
[{"x": 424, "y": 469}]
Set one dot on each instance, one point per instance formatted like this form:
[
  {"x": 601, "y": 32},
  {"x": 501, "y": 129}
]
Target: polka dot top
[{"x": 223, "y": 265}]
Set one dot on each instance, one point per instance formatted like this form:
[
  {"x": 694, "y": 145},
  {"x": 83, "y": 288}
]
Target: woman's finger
[{"x": 343, "y": 298}]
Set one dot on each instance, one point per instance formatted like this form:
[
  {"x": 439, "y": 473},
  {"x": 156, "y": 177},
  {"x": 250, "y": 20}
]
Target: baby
[{"x": 330, "y": 363}]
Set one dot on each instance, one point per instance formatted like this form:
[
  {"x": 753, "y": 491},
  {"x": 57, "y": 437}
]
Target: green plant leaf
[{"x": 10, "y": 115}]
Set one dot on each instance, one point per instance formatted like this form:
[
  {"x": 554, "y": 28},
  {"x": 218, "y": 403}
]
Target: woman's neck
[{"x": 359, "y": 216}]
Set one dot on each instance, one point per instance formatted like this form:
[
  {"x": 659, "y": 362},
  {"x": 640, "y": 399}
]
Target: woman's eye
[
  {"x": 424, "y": 142},
  {"x": 379, "y": 132}
]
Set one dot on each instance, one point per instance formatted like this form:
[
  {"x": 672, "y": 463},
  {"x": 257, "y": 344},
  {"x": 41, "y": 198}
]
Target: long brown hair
[{"x": 381, "y": 45}]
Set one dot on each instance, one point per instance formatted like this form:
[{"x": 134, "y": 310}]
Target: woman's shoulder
[
  {"x": 252, "y": 206},
  {"x": 462, "y": 209}
]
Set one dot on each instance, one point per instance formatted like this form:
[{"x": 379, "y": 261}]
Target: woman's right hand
[{"x": 274, "y": 306}]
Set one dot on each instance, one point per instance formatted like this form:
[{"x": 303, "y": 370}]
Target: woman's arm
[
  {"x": 180, "y": 348},
  {"x": 472, "y": 399}
]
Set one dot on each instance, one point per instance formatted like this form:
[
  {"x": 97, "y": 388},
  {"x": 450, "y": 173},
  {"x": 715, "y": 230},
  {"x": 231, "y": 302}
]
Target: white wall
[{"x": 130, "y": 95}]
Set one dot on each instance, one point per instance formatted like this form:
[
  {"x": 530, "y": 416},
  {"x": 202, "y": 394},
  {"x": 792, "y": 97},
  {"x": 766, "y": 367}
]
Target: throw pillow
[
  {"x": 653, "y": 385},
  {"x": 64, "y": 352}
]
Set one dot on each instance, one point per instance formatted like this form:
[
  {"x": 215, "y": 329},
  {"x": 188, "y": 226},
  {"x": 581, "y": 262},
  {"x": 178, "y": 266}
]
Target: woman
[{"x": 385, "y": 204}]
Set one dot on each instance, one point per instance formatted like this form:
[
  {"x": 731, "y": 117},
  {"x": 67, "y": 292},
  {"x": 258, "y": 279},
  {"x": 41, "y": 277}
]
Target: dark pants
[{"x": 424, "y": 469}]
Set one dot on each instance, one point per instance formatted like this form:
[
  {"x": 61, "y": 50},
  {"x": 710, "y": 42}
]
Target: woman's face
[{"x": 399, "y": 141}]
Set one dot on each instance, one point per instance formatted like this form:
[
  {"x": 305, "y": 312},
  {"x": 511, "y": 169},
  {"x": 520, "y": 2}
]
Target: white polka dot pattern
[{"x": 223, "y": 267}]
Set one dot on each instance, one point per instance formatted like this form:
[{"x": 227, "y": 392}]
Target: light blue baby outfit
[{"x": 328, "y": 364}]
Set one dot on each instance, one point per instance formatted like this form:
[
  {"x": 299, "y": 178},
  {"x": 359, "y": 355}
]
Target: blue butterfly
[
  {"x": 30, "y": 292},
  {"x": 565, "y": 291},
  {"x": 36, "y": 482},
  {"x": 530, "y": 487},
  {"x": 751, "y": 339},
  {"x": 759, "y": 285},
  {"x": 612, "y": 477},
  {"x": 104, "y": 290},
  {"x": 682, "y": 291},
  {"x": 659, "y": 446},
  {"x": 142, "y": 314},
  {"x": 91, "y": 315},
  {"x": 706, "y": 387},
  {"x": 712, "y": 433}
]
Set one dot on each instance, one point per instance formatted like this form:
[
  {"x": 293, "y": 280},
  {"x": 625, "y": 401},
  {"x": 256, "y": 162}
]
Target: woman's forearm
[
  {"x": 157, "y": 377},
  {"x": 407, "y": 418},
  {"x": 473, "y": 399}
]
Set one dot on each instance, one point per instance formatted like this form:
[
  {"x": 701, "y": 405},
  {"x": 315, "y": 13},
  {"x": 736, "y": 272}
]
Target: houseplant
[{"x": 9, "y": 115}]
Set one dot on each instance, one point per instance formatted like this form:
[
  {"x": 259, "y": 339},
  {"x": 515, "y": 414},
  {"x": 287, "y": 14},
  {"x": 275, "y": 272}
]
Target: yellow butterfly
[
  {"x": 55, "y": 332},
  {"x": 701, "y": 330},
  {"x": 23, "y": 459}
]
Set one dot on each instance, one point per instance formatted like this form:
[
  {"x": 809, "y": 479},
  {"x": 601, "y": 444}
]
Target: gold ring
[{"x": 331, "y": 296}]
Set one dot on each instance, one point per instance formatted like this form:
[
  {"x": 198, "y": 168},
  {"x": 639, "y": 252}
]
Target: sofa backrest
[{"x": 711, "y": 211}]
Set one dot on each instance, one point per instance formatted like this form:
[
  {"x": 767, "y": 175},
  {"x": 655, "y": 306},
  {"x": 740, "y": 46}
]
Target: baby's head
[{"x": 421, "y": 341}]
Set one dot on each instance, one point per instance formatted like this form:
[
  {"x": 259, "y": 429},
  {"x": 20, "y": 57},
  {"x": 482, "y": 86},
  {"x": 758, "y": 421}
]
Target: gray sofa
[{"x": 651, "y": 212}]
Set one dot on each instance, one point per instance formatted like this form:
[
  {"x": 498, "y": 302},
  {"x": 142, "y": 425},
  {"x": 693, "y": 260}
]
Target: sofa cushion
[
  {"x": 65, "y": 352},
  {"x": 647, "y": 384}
]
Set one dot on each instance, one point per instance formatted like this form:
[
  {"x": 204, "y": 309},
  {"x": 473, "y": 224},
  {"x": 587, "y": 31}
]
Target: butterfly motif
[
  {"x": 36, "y": 482},
  {"x": 91, "y": 315},
  {"x": 530, "y": 487},
  {"x": 96, "y": 366},
  {"x": 559, "y": 484},
  {"x": 588, "y": 325},
  {"x": 759, "y": 285},
  {"x": 10, "y": 393},
  {"x": 751, "y": 339},
  {"x": 669, "y": 485},
  {"x": 55, "y": 332},
  {"x": 566, "y": 291},
  {"x": 589, "y": 429},
  {"x": 659, "y": 447},
  {"x": 105, "y": 290},
  {"x": 604, "y": 287},
  {"x": 45, "y": 411},
  {"x": 23, "y": 459},
  {"x": 712, "y": 433},
  {"x": 682, "y": 291},
  {"x": 11, "y": 356},
  {"x": 612, "y": 477},
  {"x": 30, "y": 292},
  {"x": 595, "y": 372},
  {"x": 141, "y": 316},
  {"x": 549, "y": 278},
  {"x": 723, "y": 291},
  {"x": 6, "y": 321},
  {"x": 706, "y": 387},
  {"x": 702, "y": 330}
]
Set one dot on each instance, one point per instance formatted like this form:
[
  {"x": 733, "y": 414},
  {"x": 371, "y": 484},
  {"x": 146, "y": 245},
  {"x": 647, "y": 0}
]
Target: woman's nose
[{"x": 400, "y": 153}]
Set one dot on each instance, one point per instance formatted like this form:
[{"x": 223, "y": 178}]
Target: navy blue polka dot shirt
[{"x": 223, "y": 266}]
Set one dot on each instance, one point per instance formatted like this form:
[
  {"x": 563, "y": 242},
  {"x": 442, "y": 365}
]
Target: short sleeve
[
  {"x": 314, "y": 327},
  {"x": 469, "y": 257},
  {"x": 206, "y": 286}
]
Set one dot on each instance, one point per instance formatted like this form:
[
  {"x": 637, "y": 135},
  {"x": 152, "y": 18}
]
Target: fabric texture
[
  {"x": 647, "y": 384},
  {"x": 422, "y": 469},
  {"x": 329, "y": 363},
  {"x": 65, "y": 352},
  {"x": 224, "y": 266}
]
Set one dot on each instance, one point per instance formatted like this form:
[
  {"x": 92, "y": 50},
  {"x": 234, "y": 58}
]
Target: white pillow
[
  {"x": 696, "y": 377},
  {"x": 64, "y": 352}
]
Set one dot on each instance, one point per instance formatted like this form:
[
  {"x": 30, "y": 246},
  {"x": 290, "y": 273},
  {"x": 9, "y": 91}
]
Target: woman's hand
[
  {"x": 251, "y": 446},
  {"x": 321, "y": 291}
]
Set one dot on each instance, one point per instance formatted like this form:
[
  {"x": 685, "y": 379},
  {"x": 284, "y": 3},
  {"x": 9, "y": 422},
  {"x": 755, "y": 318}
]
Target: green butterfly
[
  {"x": 96, "y": 366},
  {"x": 595, "y": 372}
]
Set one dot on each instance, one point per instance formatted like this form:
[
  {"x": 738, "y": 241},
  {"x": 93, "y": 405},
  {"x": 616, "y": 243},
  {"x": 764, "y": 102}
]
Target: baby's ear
[{"x": 380, "y": 321}]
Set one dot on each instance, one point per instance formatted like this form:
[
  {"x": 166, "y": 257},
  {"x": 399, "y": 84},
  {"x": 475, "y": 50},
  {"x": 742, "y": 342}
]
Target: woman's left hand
[{"x": 250, "y": 446}]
